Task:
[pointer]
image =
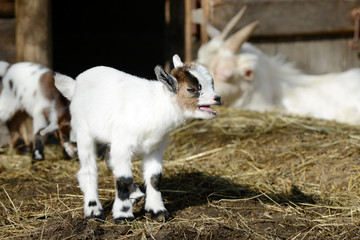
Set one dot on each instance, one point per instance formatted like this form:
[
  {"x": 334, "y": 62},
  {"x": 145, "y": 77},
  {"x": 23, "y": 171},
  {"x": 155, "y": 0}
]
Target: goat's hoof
[
  {"x": 38, "y": 155},
  {"x": 22, "y": 150},
  {"x": 123, "y": 220},
  {"x": 100, "y": 217},
  {"x": 20, "y": 147},
  {"x": 66, "y": 155},
  {"x": 160, "y": 216}
]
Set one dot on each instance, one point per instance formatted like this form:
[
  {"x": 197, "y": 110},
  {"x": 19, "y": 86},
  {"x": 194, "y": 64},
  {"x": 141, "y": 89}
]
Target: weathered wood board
[
  {"x": 288, "y": 17},
  {"x": 7, "y": 40},
  {"x": 33, "y": 31},
  {"x": 314, "y": 34},
  {"x": 315, "y": 56}
]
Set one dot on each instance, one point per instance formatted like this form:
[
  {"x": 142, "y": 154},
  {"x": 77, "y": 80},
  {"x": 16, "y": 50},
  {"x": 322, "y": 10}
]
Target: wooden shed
[
  {"x": 71, "y": 36},
  {"x": 315, "y": 34}
]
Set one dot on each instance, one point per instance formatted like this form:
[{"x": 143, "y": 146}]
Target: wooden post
[
  {"x": 205, "y": 18},
  {"x": 33, "y": 31},
  {"x": 188, "y": 33}
]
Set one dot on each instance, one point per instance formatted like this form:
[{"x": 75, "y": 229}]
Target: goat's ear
[
  {"x": 177, "y": 61},
  {"x": 169, "y": 81}
]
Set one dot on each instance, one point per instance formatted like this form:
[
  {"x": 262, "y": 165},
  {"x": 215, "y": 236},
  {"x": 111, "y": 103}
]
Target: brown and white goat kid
[
  {"x": 134, "y": 116},
  {"x": 29, "y": 89}
]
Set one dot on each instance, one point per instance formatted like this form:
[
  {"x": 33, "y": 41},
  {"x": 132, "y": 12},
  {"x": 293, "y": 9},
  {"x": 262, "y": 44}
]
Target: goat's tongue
[{"x": 207, "y": 109}]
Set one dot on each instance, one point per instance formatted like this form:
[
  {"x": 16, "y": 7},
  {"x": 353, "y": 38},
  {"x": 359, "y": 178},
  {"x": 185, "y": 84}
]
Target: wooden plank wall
[
  {"x": 33, "y": 31},
  {"x": 315, "y": 56},
  {"x": 7, "y": 31},
  {"x": 314, "y": 34}
]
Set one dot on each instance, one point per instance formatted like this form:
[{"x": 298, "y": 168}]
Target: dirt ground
[{"x": 242, "y": 175}]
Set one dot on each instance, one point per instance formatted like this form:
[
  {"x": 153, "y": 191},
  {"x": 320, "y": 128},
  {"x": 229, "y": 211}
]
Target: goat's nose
[{"x": 217, "y": 98}]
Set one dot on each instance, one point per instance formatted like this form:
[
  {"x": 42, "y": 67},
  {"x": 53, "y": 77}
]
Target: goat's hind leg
[
  {"x": 88, "y": 177},
  {"x": 17, "y": 141},
  {"x": 13, "y": 118}
]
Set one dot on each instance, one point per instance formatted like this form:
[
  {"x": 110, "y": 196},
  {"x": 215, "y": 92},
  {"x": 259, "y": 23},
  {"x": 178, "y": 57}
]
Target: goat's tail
[
  {"x": 65, "y": 84},
  {"x": 3, "y": 67}
]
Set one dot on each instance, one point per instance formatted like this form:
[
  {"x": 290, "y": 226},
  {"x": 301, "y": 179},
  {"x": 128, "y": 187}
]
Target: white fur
[{"x": 135, "y": 117}]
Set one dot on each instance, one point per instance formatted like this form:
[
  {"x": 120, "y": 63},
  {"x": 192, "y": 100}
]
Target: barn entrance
[{"x": 126, "y": 35}]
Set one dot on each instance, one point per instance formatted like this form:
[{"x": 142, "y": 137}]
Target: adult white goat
[
  {"x": 29, "y": 89},
  {"x": 247, "y": 78},
  {"x": 134, "y": 116}
]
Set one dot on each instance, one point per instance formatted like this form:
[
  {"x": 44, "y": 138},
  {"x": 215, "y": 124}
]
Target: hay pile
[{"x": 243, "y": 175}]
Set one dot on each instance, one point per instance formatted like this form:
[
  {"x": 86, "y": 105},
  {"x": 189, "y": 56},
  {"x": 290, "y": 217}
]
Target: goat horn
[
  {"x": 235, "y": 41},
  {"x": 231, "y": 24}
]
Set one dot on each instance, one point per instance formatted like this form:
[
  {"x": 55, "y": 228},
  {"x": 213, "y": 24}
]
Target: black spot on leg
[
  {"x": 155, "y": 181},
  {"x": 92, "y": 203},
  {"x": 125, "y": 208},
  {"x": 10, "y": 84},
  {"x": 123, "y": 185},
  {"x": 38, "y": 152}
]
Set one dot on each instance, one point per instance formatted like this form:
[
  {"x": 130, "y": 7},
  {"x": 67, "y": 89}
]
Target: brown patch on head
[
  {"x": 64, "y": 127},
  {"x": 63, "y": 134},
  {"x": 188, "y": 87},
  {"x": 49, "y": 91}
]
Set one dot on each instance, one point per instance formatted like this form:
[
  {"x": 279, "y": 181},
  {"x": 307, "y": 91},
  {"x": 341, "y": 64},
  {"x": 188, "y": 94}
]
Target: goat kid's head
[{"x": 193, "y": 88}]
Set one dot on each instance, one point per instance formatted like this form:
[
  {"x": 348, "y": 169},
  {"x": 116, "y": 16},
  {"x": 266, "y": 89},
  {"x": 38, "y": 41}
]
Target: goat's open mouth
[{"x": 207, "y": 108}]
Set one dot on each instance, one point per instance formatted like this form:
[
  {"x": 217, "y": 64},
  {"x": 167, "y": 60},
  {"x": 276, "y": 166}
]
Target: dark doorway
[{"x": 126, "y": 35}]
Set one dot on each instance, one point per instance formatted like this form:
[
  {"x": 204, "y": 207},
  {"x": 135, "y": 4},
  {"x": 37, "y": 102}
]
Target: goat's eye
[{"x": 191, "y": 90}]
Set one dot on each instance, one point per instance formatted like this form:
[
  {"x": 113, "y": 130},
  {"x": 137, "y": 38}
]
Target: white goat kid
[
  {"x": 29, "y": 89},
  {"x": 134, "y": 116},
  {"x": 246, "y": 78}
]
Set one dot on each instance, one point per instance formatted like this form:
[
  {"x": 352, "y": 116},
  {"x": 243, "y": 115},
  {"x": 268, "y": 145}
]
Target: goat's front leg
[
  {"x": 39, "y": 122},
  {"x": 88, "y": 177},
  {"x": 120, "y": 163},
  {"x": 152, "y": 164},
  {"x": 64, "y": 134}
]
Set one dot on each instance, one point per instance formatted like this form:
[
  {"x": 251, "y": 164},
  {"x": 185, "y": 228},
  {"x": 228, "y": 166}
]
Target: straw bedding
[{"x": 243, "y": 175}]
